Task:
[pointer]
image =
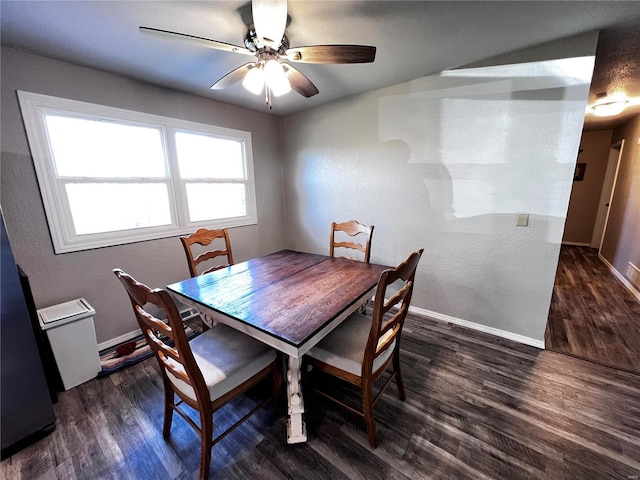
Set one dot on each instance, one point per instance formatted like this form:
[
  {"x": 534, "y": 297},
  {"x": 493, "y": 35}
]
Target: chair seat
[
  {"x": 344, "y": 347},
  {"x": 226, "y": 358}
]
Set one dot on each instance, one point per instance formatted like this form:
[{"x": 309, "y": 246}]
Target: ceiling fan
[{"x": 266, "y": 40}]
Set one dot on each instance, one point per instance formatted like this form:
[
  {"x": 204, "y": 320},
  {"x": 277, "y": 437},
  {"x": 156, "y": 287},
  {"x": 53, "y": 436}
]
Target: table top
[{"x": 288, "y": 295}]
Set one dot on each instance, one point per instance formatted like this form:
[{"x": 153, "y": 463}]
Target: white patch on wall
[{"x": 474, "y": 165}]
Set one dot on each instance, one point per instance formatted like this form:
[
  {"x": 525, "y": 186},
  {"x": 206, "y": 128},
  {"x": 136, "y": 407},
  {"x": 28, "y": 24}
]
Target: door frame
[{"x": 608, "y": 190}]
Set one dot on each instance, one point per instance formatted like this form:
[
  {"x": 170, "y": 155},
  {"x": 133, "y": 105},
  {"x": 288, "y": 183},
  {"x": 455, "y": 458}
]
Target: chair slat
[
  {"x": 352, "y": 228},
  {"x": 205, "y": 237}
]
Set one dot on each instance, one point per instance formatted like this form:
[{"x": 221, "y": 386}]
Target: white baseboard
[
  {"x": 121, "y": 339},
  {"x": 186, "y": 314},
  {"x": 621, "y": 277},
  {"x": 481, "y": 328},
  {"x": 577, "y": 244}
]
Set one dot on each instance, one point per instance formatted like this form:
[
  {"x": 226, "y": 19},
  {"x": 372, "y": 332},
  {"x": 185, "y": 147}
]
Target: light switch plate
[{"x": 522, "y": 219}]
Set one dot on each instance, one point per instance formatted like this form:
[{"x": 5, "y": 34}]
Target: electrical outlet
[{"x": 522, "y": 219}]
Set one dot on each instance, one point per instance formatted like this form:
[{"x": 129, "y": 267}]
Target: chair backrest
[
  {"x": 352, "y": 228},
  {"x": 205, "y": 238},
  {"x": 168, "y": 341},
  {"x": 388, "y": 316}
]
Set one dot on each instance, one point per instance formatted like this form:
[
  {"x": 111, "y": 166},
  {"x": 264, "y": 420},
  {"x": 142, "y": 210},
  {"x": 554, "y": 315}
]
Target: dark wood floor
[
  {"x": 478, "y": 407},
  {"x": 592, "y": 314}
]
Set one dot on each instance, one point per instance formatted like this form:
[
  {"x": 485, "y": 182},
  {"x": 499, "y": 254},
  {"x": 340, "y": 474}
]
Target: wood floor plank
[
  {"x": 355, "y": 460},
  {"x": 592, "y": 315}
]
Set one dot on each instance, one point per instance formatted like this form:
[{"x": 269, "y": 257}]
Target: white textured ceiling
[{"x": 413, "y": 39}]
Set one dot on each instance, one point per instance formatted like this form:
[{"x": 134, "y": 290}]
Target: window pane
[
  {"x": 110, "y": 176},
  {"x": 203, "y": 156},
  {"x": 210, "y": 201},
  {"x": 93, "y": 148},
  {"x": 108, "y": 207}
]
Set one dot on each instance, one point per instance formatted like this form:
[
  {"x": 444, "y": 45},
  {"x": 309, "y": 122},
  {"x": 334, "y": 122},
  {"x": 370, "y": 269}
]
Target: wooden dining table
[{"x": 289, "y": 300}]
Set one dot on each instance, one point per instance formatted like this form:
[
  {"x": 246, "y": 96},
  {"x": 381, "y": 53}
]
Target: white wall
[
  {"x": 88, "y": 274},
  {"x": 444, "y": 163}
]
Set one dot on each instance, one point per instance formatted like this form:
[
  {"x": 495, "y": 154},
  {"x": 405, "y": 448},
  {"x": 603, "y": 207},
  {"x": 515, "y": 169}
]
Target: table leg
[
  {"x": 208, "y": 320},
  {"x": 296, "y": 430}
]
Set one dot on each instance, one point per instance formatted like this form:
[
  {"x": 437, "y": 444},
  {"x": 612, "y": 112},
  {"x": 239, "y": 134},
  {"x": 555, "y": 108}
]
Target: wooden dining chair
[
  {"x": 206, "y": 238},
  {"x": 204, "y": 373},
  {"x": 352, "y": 228},
  {"x": 361, "y": 349}
]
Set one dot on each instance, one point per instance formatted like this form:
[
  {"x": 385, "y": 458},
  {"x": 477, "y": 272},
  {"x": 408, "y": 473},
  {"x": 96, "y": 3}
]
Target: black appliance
[{"x": 26, "y": 410}]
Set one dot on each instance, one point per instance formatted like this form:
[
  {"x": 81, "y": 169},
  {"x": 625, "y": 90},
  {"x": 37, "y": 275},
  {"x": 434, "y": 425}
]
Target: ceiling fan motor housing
[{"x": 255, "y": 44}]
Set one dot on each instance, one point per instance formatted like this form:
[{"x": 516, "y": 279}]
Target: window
[{"x": 110, "y": 176}]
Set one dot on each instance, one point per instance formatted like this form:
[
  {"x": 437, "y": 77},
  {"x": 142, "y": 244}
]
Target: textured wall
[
  {"x": 585, "y": 194},
  {"x": 621, "y": 243},
  {"x": 58, "y": 278},
  {"x": 444, "y": 163}
]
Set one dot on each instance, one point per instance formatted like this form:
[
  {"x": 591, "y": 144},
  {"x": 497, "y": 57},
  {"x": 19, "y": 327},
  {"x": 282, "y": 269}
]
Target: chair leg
[
  {"x": 206, "y": 443},
  {"x": 367, "y": 408},
  {"x": 169, "y": 400},
  {"x": 396, "y": 369}
]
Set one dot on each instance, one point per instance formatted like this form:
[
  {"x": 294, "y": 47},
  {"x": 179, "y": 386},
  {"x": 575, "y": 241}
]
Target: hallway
[{"x": 592, "y": 315}]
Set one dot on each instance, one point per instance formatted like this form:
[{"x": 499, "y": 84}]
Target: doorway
[
  {"x": 592, "y": 315},
  {"x": 608, "y": 187}
]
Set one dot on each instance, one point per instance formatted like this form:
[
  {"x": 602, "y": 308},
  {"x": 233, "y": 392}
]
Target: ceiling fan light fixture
[
  {"x": 276, "y": 78},
  {"x": 254, "y": 80},
  {"x": 609, "y": 109}
]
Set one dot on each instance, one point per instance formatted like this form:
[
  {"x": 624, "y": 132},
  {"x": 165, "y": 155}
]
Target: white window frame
[{"x": 34, "y": 108}]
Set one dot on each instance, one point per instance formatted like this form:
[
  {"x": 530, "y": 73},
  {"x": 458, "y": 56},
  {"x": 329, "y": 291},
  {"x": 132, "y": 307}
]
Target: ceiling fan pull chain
[{"x": 267, "y": 95}]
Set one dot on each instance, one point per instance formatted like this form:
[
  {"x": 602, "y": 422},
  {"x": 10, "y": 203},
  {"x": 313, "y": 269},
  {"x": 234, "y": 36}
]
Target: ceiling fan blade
[
  {"x": 332, "y": 54},
  {"x": 270, "y": 20},
  {"x": 299, "y": 82},
  {"x": 204, "y": 42},
  {"x": 232, "y": 77}
]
